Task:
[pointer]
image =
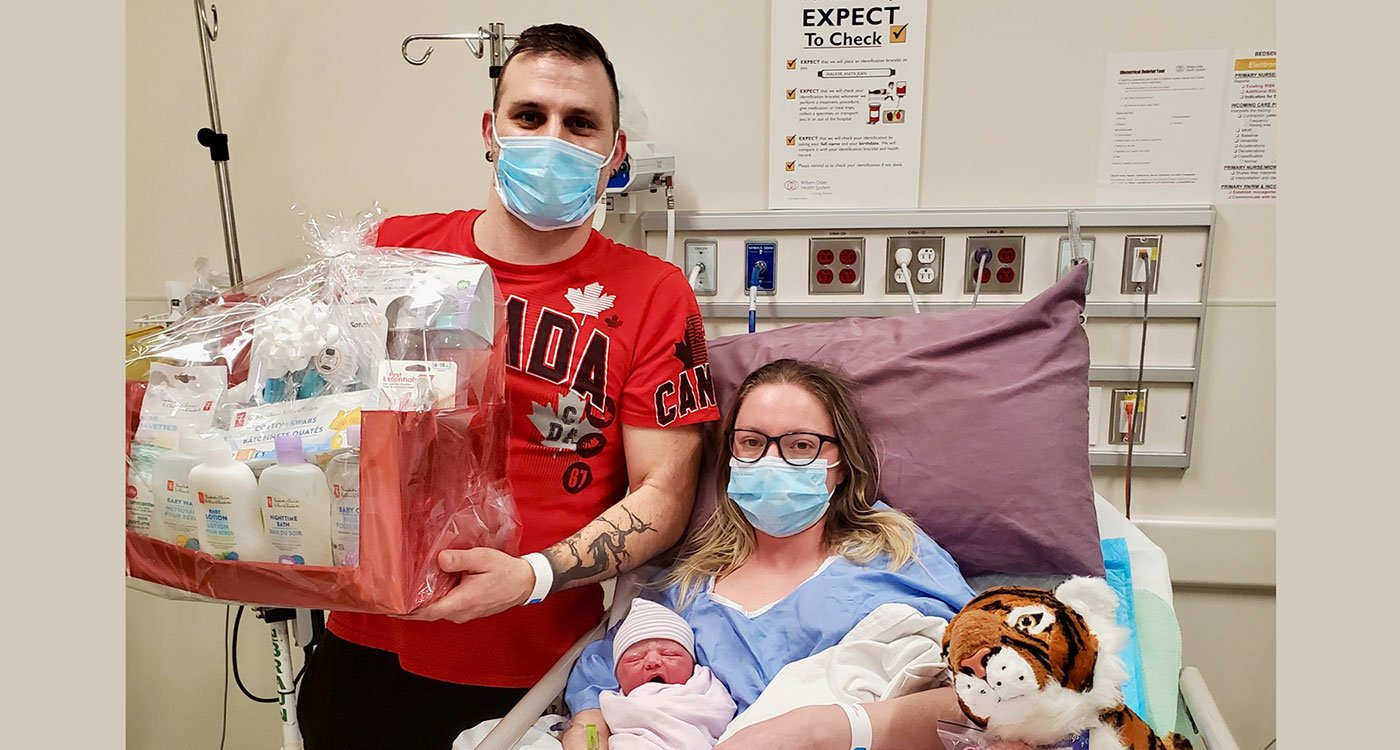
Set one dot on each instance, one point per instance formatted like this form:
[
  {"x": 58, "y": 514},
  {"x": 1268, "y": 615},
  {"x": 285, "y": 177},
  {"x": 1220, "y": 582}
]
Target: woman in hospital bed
[{"x": 797, "y": 553}]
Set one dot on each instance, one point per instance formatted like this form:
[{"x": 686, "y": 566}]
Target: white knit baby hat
[{"x": 651, "y": 620}]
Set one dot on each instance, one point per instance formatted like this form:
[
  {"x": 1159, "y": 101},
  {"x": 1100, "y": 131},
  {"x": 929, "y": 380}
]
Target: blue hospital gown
[{"x": 746, "y": 650}]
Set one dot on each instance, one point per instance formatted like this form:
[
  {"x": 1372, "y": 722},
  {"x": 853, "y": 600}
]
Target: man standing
[{"x": 607, "y": 382}]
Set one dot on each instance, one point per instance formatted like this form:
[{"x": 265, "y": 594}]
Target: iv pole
[
  {"x": 493, "y": 33},
  {"x": 214, "y": 139}
]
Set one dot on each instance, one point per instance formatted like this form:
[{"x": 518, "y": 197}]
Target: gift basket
[{"x": 316, "y": 436}]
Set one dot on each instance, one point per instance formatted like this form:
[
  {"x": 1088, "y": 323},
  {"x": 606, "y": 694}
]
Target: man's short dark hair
[{"x": 567, "y": 41}]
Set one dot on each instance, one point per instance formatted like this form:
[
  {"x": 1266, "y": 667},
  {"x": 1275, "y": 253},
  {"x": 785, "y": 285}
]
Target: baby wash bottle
[
  {"x": 343, "y": 474},
  {"x": 296, "y": 508},
  {"x": 226, "y": 494},
  {"x": 176, "y": 521}
]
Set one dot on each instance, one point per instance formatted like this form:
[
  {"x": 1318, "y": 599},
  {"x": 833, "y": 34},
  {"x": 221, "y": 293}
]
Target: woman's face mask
[
  {"x": 778, "y": 498},
  {"x": 546, "y": 182}
]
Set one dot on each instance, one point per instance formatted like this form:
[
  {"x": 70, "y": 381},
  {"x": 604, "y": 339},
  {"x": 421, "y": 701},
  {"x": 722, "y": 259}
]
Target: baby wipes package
[
  {"x": 321, "y": 422},
  {"x": 402, "y": 347},
  {"x": 179, "y": 397}
]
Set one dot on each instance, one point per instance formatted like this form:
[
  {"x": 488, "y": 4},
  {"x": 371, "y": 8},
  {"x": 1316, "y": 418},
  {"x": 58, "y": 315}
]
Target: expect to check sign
[{"x": 846, "y": 103}]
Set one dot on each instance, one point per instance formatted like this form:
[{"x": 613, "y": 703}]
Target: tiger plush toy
[{"x": 1041, "y": 668}]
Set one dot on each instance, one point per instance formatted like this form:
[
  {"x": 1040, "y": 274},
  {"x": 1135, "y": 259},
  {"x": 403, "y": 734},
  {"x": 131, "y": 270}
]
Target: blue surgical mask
[
  {"x": 546, "y": 182},
  {"x": 778, "y": 498}
]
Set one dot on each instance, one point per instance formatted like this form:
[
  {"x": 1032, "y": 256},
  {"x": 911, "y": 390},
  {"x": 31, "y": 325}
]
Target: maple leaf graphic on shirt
[
  {"x": 590, "y": 300},
  {"x": 563, "y": 426},
  {"x": 684, "y": 354}
]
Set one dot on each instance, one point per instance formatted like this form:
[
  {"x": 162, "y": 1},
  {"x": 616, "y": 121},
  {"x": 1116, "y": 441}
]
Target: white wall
[{"x": 322, "y": 111}]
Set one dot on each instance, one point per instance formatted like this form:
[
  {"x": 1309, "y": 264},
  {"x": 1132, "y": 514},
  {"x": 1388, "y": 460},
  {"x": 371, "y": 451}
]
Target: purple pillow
[{"x": 980, "y": 417}]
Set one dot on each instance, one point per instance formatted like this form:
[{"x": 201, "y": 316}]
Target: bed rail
[
  {"x": 537, "y": 701},
  {"x": 1200, "y": 704}
]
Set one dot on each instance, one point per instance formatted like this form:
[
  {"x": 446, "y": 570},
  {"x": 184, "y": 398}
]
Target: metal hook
[
  {"x": 473, "y": 40},
  {"x": 479, "y": 47},
  {"x": 210, "y": 30},
  {"x": 404, "y": 51},
  {"x": 503, "y": 38}
]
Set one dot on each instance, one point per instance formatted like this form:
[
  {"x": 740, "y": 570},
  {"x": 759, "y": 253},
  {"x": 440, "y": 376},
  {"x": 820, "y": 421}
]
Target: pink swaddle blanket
[{"x": 688, "y": 716}]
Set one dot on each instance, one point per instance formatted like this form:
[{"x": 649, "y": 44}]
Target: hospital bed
[{"x": 1198, "y": 716}]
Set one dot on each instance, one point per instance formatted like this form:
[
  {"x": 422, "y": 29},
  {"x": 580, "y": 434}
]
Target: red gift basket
[{"x": 405, "y": 347}]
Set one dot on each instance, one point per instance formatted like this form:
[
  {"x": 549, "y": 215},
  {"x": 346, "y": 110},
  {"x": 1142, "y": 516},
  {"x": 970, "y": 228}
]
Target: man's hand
[
  {"x": 806, "y": 728},
  {"x": 492, "y": 582}
]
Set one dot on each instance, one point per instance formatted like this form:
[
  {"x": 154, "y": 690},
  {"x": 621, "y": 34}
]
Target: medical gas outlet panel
[{"x": 825, "y": 265}]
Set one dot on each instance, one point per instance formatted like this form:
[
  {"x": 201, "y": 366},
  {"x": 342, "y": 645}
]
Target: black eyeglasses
[{"x": 795, "y": 448}]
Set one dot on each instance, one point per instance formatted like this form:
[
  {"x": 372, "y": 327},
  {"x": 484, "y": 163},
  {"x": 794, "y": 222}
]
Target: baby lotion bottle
[
  {"x": 175, "y": 520},
  {"x": 226, "y": 494},
  {"x": 296, "y": 508},
  {"x": 343, "y": 474}
]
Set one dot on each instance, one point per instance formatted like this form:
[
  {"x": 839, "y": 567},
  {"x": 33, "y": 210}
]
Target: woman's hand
[
  {"x": 806, "y": 728},
  {"x": 576, "y": 736}
]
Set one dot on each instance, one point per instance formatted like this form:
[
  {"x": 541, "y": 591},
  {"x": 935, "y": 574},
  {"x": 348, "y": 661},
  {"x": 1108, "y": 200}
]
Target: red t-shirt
[{"x": 608, "y": 337}]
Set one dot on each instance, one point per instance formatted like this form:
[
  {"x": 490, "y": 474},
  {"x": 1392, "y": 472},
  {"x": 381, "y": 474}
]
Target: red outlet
[
  {"x": 835, "y": 265},
  {"x": 1005, "y": 257}
]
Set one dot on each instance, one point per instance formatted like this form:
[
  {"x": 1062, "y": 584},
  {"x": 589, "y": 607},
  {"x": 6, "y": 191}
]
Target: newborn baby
[{"x": 664, "y": 702}]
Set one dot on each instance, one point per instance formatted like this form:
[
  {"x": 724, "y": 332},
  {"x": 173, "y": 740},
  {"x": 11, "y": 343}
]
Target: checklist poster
[
  {"x": 846, "y": 103},
  {"x": 1249, "y": 164}
]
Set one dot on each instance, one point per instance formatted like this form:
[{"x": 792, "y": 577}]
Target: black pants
[{"x": 358, "y": 698}]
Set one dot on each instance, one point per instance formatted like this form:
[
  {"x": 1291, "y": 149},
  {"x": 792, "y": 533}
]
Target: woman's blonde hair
[{"x": 854, "y": 528}]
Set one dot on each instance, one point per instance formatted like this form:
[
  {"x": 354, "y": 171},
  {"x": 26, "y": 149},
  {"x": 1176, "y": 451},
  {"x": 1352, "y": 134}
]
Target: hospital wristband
[
  {"x": 544, "y": 577},
  {"x": 862, "y": 733}
]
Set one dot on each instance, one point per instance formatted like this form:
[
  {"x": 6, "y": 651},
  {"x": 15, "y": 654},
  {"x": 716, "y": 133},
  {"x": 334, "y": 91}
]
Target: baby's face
[{"x": 654, "y": 660}]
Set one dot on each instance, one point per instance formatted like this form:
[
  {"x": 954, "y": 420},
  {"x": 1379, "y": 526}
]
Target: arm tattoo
[{"x": 603, "y": 553}]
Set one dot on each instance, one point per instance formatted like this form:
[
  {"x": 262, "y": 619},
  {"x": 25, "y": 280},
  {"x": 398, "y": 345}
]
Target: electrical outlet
[
  {"x": 1086, "y": 251},
  {"x": 926, "y": 265},
  {"x": 836, "y": 265},
  {"x": 703, "y": 253},
  {"x": 1141, "y": 262},
  {"x": 766, "y": 253},
  {"x": 1126, "y": 401},
  {"x": 1005, "y": 260}
]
